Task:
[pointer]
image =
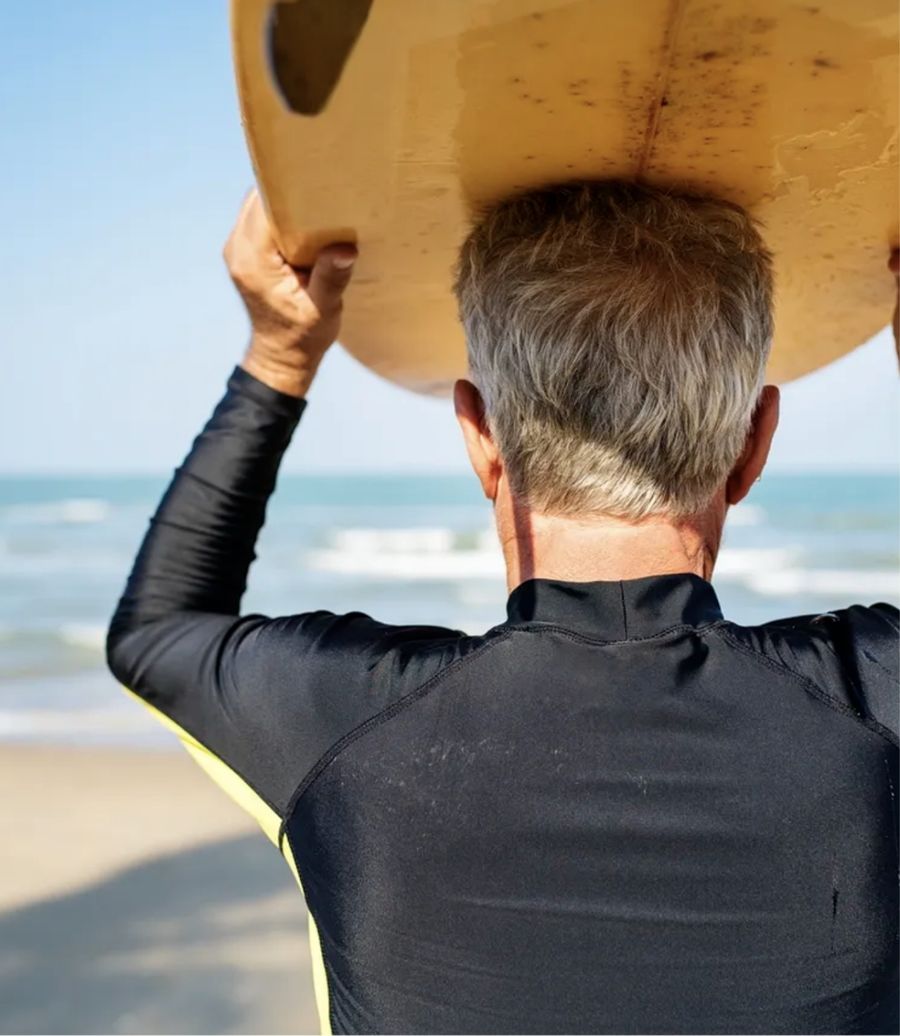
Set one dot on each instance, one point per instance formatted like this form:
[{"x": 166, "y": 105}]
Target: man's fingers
[
  {"x": 251, "y": 252},
  {"x": 250, "y": 199},
  {"x": 330, "y": 275},
  {"x": 252, "y": 225},
  {"x": 256, "y": 227},
  {"x": 238, "y": 235}
]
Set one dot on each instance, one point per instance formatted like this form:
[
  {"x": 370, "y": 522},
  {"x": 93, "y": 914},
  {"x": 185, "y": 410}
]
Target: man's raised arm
[
  {"x": 257, "y": 700},
  {"x": 198, "y": 551}
]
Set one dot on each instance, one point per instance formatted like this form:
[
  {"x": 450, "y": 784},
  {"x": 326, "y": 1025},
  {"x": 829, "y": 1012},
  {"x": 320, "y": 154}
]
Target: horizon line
[{"x": 48, "y": 473}]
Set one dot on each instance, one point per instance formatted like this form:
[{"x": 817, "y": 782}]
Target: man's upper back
[{"x": 615, "y": 812}]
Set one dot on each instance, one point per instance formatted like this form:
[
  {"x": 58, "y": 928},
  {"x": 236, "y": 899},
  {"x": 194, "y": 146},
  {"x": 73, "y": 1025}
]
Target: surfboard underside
[{"x": 391, "y": 122}]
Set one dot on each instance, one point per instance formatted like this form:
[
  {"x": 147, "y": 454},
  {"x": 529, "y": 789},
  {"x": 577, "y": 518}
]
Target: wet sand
[{"x": 136, "y": 898}]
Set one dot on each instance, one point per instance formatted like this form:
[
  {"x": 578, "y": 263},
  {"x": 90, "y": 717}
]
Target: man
[{"x": 616, "y": 811}]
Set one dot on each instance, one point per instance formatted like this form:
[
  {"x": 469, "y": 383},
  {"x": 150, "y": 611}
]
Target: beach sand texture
[{"x": 137, "y": 898}]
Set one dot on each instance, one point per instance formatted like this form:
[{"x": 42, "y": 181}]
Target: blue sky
[{"x": 124, "y": 165}]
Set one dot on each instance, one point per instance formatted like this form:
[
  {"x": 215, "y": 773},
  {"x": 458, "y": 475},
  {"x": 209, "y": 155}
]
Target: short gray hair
[{"x": 618, "y": 334}]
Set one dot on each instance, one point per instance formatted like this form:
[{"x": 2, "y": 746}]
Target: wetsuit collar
[{"x": 617, "y": 610}]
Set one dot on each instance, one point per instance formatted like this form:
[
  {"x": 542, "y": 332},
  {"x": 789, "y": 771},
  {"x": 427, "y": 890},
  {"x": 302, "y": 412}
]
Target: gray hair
[{"x": 618, "y": 334}]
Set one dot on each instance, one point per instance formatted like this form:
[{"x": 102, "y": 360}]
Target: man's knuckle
[{"x": 240, "y": 270}]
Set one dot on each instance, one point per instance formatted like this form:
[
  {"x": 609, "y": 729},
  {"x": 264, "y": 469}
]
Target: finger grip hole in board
[{"x": 309, "y": 42}]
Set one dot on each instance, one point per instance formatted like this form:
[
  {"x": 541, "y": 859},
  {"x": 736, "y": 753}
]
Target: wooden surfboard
[{"x": 385, "y": 122}]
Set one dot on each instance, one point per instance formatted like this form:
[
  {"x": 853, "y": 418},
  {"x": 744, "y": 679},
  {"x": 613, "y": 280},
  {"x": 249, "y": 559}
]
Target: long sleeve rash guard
[{"x": 613, "y": 812}]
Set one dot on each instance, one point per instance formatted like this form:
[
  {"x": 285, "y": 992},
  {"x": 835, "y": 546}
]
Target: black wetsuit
[{"x": 614, "y": 812}]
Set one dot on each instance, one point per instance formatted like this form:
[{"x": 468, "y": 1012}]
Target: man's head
[{"x": 618, "y": 336}]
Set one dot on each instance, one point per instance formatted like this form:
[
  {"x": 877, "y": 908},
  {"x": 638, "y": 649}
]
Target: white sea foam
[
  {"x": 83, "y": 635},
  {"x": 741, "y": 562},
  {"x": 74, "y": 511},
  {"x": 396, "y": 541},
  {"x": 747, "y": 514},
  {"x": 461, "y": 564},
  {"x": 60, "y": 562},
  {"x": 865, "y": 585},
  {"x": 435, "y": 553},
  {"x": 408, "y": 554},
  {"x": 781, "y": 572}
]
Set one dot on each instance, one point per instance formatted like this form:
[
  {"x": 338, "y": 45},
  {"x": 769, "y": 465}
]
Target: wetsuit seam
[
  {"x": 382, "y": 716},
  {"x": 205, "y": 745},
  {"x": 875, "y": 662},
  {"x": 389, "y": 711},
  {"x": 890, "y": 781},
  {"x": 234, "y": 494},
  {"x": 285, "y": 837},
  {"x": 680, "y": 627},
  {"x": 808, "y": 685}
]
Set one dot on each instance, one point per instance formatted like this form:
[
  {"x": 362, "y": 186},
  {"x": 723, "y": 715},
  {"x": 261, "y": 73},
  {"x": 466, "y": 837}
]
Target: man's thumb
[{"x": 330, "y": 275}]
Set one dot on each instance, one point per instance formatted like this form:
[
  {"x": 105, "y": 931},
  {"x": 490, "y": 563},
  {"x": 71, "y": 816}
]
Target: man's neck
[{"x": 604, "y": 548}]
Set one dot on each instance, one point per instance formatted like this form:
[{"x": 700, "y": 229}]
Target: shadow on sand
[{"x": 211, "y": 940}]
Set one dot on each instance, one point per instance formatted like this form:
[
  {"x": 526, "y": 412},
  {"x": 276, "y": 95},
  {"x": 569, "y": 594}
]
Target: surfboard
[{"x": 390, "y": 122}]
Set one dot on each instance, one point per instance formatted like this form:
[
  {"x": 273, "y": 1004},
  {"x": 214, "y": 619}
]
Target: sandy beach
[{"x": 136, "y": 898}]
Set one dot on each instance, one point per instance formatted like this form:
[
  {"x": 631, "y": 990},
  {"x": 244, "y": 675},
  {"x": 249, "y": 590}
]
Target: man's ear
[
  {"x": 480, "y": 446},
  {"x": 756, "y": 451}
]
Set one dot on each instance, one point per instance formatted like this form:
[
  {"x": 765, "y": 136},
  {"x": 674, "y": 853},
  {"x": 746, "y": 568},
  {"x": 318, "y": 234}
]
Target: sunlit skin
[
  {"x": 295, "y": 315},
  {"x": 895, "y": 270},
  {"x": 295, "y": 318}
]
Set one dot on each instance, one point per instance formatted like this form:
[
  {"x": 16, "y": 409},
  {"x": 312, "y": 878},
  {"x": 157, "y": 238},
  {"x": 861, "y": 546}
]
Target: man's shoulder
[
  {"x": 850, "y": 656},
  {"x": 360, "y": 665},
  {"x": 873, "y": 630},
  {"x": 358, "y": 632}
]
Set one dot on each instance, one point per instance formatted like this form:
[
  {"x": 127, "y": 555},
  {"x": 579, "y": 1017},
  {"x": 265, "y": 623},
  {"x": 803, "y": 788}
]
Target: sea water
[{"x": 404, "y": 548}]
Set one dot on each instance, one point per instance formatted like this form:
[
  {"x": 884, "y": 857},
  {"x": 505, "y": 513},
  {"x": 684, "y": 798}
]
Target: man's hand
[{"x": 294, "y": 314}]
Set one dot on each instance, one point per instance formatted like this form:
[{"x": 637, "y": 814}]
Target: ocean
[{"x": 403, "y": 548}]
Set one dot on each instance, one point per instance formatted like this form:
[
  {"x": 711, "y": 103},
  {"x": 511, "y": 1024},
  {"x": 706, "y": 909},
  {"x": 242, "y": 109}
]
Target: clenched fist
[{"x": 294, "y": 314}]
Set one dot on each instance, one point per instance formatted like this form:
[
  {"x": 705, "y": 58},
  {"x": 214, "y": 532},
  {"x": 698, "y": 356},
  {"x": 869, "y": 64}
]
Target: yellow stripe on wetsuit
[{"x": 240, "y": 791}]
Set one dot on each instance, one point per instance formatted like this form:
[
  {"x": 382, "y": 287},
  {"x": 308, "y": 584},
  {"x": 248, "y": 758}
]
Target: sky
[{"x": 123, "y": 167}]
